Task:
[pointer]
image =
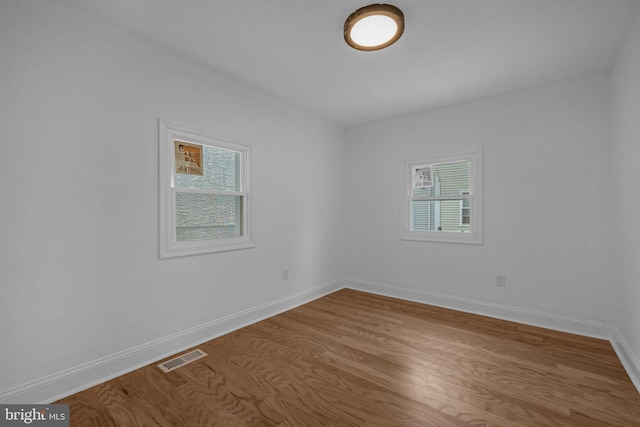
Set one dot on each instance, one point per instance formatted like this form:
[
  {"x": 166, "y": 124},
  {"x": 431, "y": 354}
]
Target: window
[
  {"x": 204, "y": 193},
  {"x": 442, "y": 199}
]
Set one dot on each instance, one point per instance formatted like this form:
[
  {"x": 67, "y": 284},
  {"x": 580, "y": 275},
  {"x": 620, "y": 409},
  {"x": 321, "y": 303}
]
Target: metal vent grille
[{"x": 176, "y": 362}]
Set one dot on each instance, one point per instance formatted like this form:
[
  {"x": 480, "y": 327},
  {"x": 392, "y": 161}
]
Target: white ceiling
[{"x": 451, "y": 51}]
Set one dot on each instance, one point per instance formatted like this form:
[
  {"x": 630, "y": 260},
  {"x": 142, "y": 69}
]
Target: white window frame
[
  {"x": 169, "y": 246},
  {"x": 476, "y": 234}
]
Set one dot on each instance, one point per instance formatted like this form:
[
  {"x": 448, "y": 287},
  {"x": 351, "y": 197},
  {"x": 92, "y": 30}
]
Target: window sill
[
  {"x": 444, "y": 237},
  {"x": 203, "y": 247}
]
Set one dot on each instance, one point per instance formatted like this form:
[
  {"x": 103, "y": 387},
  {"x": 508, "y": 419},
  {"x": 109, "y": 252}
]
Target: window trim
[
  {"x": 476, "y": 236},
  {"x": 169, "y": 247}
]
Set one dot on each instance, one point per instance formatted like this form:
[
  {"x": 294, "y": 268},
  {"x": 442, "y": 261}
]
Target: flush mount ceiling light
[{"x": 374, "y": 27}]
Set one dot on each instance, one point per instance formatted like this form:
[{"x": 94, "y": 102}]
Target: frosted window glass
[{"x": 207, "y": 216}]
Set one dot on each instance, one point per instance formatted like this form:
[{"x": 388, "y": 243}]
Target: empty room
[{"x": 333, "y": 213}]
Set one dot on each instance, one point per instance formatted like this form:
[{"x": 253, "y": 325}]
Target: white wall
[
  {"x": 81, "y": 278},
  {"x": 79, "y": 273},
  {"x": 546, "y": 168},
  {"x": 626, "y": 181}
]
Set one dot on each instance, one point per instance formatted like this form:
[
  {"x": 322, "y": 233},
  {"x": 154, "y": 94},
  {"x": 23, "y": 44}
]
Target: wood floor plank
[
  {"x": 413, "y": 374},
  {"x": 364, "y": 360}
]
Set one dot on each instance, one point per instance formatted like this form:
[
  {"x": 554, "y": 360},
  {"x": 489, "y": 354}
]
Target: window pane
[
  {"x": 451, "y": 178},
  {"x": 207, "y": 216},
  {"x": 442, "y": 193},
  {"x": 466, "y": 216},
  {"x": 448, "y": 179},
  {"x": 425, "y": 215},
  {"x": 450, "y": 216},
  {"x": 220, "y": 171},
  {"x": 439, "y": 215},
  {"x": 433, "y": 190},
  {"x": 465, "y": 211}
]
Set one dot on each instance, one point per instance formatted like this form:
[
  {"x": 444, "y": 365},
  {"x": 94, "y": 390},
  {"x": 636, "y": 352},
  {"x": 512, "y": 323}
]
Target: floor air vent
[{"x": 176, "y": 362}]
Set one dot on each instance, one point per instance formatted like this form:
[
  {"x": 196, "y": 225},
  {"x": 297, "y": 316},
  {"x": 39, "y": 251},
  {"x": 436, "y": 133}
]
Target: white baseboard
[
  {"x": 629, "y": 360},
  {"x": 542, "y": 319},
  {"x": 62, "y": 384}
]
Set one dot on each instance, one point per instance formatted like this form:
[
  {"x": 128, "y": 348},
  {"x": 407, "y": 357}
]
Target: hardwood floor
[{"x": 357, "y": 359}]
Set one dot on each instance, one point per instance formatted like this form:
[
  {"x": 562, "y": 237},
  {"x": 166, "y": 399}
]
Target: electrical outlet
[
  {"x": 501, "y": 280},
  {"x": 285, "y": 274}
]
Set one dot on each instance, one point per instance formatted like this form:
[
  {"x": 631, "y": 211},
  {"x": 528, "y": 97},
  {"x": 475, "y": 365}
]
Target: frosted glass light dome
[{"x": 374, "y": 27}]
